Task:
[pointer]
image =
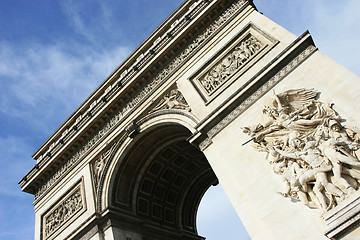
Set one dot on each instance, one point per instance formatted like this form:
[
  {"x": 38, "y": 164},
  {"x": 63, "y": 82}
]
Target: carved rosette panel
[
  {"x": 306, "y": 144},
  {"x": 68, "y": 207},
  {"x": 172, "y": 100},
  {"x": 231, "y": 61}
]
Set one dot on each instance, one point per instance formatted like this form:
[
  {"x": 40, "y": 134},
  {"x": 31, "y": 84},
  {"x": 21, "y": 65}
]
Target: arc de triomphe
[{"x": 218, "y": 93}]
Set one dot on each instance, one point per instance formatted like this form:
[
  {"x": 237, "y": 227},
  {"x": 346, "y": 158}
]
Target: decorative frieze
[
  {"x": 70, "y": 205},
  {"x": 141, "y": 95},
  {"x": 237, "y": 58},
  {"x": 227, "y": 65}
]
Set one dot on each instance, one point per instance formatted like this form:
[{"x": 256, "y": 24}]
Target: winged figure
[{"x": 310, "y": 149}]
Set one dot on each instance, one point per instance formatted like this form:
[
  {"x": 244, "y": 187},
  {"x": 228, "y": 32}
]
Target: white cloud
[
  {"x": 88, "y": 23},
  {"x": 49, "y": 81},
  {"x": 45, "y": 79},
  {"x": 73, "y": 11}
]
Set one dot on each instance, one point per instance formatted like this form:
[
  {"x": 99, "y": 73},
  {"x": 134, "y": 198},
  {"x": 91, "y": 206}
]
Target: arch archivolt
[
  {"x": 124, "y": 143},
  {"x": 153, "y": 173},
  {"x": 172, "y": 116}
]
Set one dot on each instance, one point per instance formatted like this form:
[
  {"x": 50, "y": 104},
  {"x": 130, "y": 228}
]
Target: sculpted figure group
[
  {"x": 309, "y": 147},
  {"x": 240, "y": 55},
  {"x": 62, "y": 213}
]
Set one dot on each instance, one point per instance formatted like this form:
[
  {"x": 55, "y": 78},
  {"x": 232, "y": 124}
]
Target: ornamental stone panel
[{"x": 64, "y": 211}]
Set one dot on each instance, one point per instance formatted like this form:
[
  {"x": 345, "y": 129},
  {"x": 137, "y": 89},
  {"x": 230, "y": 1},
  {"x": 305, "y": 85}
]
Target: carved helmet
[{"x": 333, "y": 122}]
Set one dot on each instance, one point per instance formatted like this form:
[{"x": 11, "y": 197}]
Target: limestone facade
[{"x": 134, "y": 160}]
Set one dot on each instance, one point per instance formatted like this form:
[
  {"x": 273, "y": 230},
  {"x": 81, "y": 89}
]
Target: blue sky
[{"x": 53, "y": 54}]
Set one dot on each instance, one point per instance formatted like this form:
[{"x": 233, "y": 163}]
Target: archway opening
[
  {"x": 215, "y": 209},
  {"x": 159, "y": 183}
]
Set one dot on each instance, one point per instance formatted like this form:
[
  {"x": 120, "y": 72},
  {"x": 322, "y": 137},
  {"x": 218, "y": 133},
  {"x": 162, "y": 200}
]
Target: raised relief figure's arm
[{"x": 287, "y": 154}]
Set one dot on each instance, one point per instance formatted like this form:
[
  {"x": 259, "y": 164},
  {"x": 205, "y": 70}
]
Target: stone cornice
[
  {"x": 343, "y": 219},
  {"x": 119, "y": 100},
  {"x": 148, "y": 51}
]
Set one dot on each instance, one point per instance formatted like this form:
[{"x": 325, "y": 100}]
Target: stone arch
[{"x": 157, "y": 177}]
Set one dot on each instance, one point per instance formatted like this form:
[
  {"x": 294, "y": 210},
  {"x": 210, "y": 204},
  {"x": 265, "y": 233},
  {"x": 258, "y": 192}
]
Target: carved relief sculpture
[
  {"x": 230, "y": 62},
  {"x": 308, "y": 146},
  {"x": 67, "y": 208},
  {"x": 99, "y": 164},
  {"x": 172, "y": 100},
  {"x": 240, "y": 55}
]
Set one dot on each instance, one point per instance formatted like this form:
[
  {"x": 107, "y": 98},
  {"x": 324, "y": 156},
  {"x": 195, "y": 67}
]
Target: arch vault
[{"x": 156, "y": 182}]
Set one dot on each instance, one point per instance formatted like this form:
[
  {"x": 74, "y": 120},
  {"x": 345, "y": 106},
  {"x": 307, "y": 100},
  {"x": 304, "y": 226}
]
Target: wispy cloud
[
  {"x": 49, "y": 80},
  {"x": 92, "y": 28},
  {"x": 73, "y": 11},
  {"x": 43, "y": 80},
  {"x": 42, "y": 83}
]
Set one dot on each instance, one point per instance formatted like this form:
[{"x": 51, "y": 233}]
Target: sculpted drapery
[{"x": 308, "y": 146}]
